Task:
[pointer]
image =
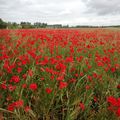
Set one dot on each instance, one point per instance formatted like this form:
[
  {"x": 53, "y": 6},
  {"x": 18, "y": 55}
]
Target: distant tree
[
  {"x": 15, "y": 25},
  {"x": 65, "y": 26},
  {"x": 55, "y": 26},
  {"x": 40, "y": 25},
  {"x": 3, "y": 24},
  {"x": 37, "y": 24},
  {"x": 26, "y": 25},
  {"x": 44, "y": 25},
  {"x": 9, "y": 25},
  {"x": 12, "y": 25}
]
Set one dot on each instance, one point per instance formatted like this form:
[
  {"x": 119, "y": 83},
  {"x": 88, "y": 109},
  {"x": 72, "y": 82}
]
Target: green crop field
[{"x": 60, "y": 74}]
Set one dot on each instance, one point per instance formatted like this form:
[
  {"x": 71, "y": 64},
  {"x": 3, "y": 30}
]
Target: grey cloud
[{"x": 103, "y": 7}]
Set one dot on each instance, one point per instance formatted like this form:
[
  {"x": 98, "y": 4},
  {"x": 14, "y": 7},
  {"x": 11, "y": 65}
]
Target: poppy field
[{"x": 60, "y": 74}]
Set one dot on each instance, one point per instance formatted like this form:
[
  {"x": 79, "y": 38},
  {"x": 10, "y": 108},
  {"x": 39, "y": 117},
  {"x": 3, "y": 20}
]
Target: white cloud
[{"x": 82, "y": 12}]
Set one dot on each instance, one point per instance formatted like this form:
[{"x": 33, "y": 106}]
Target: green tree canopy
[{"x": 2, "y": 24}]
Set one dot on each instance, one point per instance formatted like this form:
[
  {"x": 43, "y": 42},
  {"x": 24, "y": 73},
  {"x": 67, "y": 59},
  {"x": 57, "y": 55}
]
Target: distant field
[{"x": 60, "y": 74}]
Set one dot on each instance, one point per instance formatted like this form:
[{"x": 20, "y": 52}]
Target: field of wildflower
[{"x": 60, "y": 74}]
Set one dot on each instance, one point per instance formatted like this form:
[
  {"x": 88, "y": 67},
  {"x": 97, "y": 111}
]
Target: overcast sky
[{"x": 72, "y": 12}]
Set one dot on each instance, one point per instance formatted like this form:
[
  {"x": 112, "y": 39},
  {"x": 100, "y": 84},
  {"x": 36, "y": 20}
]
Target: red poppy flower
[
  {"x": 82, "y": 106},
  {"x": 15, "y": 79},
  {"x": 33, "y": 86},
  {"x": 27, "y": 108},
  {"x": 48, "y": 90},
  {"x": 19, "y": 103},
  {"x": 63, "y": 85}
]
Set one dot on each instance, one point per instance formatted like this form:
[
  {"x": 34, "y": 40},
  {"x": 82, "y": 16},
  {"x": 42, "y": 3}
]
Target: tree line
[{"x": 28, "y": 25}]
